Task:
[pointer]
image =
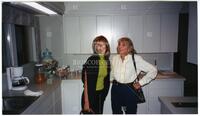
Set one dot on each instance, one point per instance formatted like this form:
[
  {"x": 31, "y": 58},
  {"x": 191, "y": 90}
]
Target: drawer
[
  {"x": 165, "y": 92},
  {"x": 166, "y": 84}
]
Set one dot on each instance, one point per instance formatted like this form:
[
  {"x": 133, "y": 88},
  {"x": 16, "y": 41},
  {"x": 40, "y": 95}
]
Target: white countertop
[{"x": 166, "y": 102}]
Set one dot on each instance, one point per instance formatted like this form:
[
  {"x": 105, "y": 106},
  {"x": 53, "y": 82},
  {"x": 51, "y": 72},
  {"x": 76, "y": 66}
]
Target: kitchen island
[{"x": 179, "y": 105}]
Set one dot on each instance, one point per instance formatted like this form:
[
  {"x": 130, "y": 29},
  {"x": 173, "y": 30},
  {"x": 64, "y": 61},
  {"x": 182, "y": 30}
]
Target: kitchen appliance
[{"x": 15, "y": 79}]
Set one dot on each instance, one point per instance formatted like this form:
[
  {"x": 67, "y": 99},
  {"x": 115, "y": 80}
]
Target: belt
[{"x": 118, "y": 83}]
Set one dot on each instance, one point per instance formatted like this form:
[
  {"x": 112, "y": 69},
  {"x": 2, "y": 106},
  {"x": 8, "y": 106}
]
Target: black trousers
[
  {"x": 122, "y": 99},
  {"x": 97, "y": 105}
]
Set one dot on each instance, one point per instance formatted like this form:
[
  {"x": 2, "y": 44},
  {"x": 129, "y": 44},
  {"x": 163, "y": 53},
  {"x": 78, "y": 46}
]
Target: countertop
[
  {"x": 160, "y": 75},
  {"x": 50, "y": 86},
  {"x": 172, "y": 75},
  {"x": 168, "y": 107},
  {"x": 45, "y": 87}
]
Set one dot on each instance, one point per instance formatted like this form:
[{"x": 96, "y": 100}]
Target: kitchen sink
[
  {"x": 185, "y": 104},
  {"x": 16, "y": 104}
]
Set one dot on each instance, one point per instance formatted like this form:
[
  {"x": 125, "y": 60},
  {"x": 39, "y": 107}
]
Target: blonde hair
[
  {"x": 130, "y": 44},
  {"x": 101, "y": 38}
]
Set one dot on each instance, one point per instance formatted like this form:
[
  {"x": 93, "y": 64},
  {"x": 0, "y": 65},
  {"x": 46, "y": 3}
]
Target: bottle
[
  {"x": 47, "y": 56},
  {"x": 39, "y": 74}
]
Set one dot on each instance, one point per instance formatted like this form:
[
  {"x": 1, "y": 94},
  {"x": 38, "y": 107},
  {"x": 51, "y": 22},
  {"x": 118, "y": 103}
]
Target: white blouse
[{"x": 124, "y": 71}]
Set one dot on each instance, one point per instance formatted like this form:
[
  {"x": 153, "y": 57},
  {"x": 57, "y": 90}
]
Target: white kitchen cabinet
[
  {"x": 163, "y": 87},
  {"x": 151, "y": 41},
  {"x": 71, "y": 33},
  {"x": 104, "y": 26},
  {"x": 120, "y": 29},
  {"x": 169, "y": 32},
  {"x": 143, "y": 107},
  {"x": 158, "y": 87},
  {"x": 72, "y": 92},
  {"x": 87, "y": 32},
  {"x": 107, "y": 109},
  {"x": 136, "y": 32},
  {"x": 71, "y": 96},
  {"x": 150, "y": 33}
]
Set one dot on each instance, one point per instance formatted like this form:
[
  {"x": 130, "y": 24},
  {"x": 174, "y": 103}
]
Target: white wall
[
  {"x": 164, "y": 60},
  {"x": 51, "y": 35},
  {"x": 192, "y": 34}
]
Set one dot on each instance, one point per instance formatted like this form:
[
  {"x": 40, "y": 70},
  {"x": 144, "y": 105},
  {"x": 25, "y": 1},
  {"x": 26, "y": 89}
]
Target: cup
[{"x": 17, "y": 71}]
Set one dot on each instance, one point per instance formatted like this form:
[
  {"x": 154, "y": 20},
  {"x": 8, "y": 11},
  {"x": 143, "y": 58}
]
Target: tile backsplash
[{"x": 164, "y": 61}]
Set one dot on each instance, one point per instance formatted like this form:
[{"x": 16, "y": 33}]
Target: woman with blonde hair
[
  {"x": 97, "y": 71},
  {"x": 124, "y": 72}
]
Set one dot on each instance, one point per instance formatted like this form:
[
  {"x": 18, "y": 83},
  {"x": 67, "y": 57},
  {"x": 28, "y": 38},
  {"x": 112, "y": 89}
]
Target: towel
[{"x": 33, "y": 93}]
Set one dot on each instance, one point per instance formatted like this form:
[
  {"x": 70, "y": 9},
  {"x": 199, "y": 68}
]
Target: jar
[
  {"x": 48, "y": 62},
  {"x": 46, "y": 56},
  {"x": 39, "y": 74}
]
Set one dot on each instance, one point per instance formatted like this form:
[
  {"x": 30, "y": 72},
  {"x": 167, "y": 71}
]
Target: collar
[
  {"x": 101, "y": 56},
  {"x": 126, "y": 58}
]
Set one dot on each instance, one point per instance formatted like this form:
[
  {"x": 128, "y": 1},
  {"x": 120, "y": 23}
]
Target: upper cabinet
[
  {"x": 71, "y": 30},
  {"x": 151, "y": 41},
  {"x": 104, "y": 26},
  {"x": 149, "y": 33},
  {"x": 87, "y": 33},
  {"x": 120, "y": 29},
  {"x": 152, "y": 30},
  {"x": 169, "y": 33},
  {"x": 136, "y": 32}
]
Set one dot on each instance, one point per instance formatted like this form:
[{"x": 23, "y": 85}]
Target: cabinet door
[
  {"x": 151, "y": 34},
  {"x": 71, "y": 34},
  {"x": 143, "y": 107},
  {"x": 71, "y": 102},
  {"x": 169, "y": 32},
  {"x": 104, "y": 27},
  {"x": 164, "y": 87},
  {"x": 87, "y": 32},
  {"x": 120, "y": 29},
  {"x": 136, "y": 32},
  {"x": 107, "y": 109}
]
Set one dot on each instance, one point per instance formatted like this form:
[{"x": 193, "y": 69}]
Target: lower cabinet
[
  {"x": 71, "y": 96},
  {"x": 72, "y": 91},
  {"x": 162, "y": 87}
]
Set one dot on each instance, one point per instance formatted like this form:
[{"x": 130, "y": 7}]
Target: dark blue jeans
[{"x": 123, "y": 98}]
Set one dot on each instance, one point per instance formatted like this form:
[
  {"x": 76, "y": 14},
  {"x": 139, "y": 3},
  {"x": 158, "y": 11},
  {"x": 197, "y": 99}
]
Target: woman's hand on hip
[{"x": 137, "y": 85}]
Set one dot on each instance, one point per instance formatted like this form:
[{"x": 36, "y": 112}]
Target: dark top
[{"x": 92, "y": 69}]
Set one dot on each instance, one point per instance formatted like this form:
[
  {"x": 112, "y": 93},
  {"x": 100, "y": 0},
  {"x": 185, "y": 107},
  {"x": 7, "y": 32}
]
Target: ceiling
[{"x": 55, "y": 6}]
